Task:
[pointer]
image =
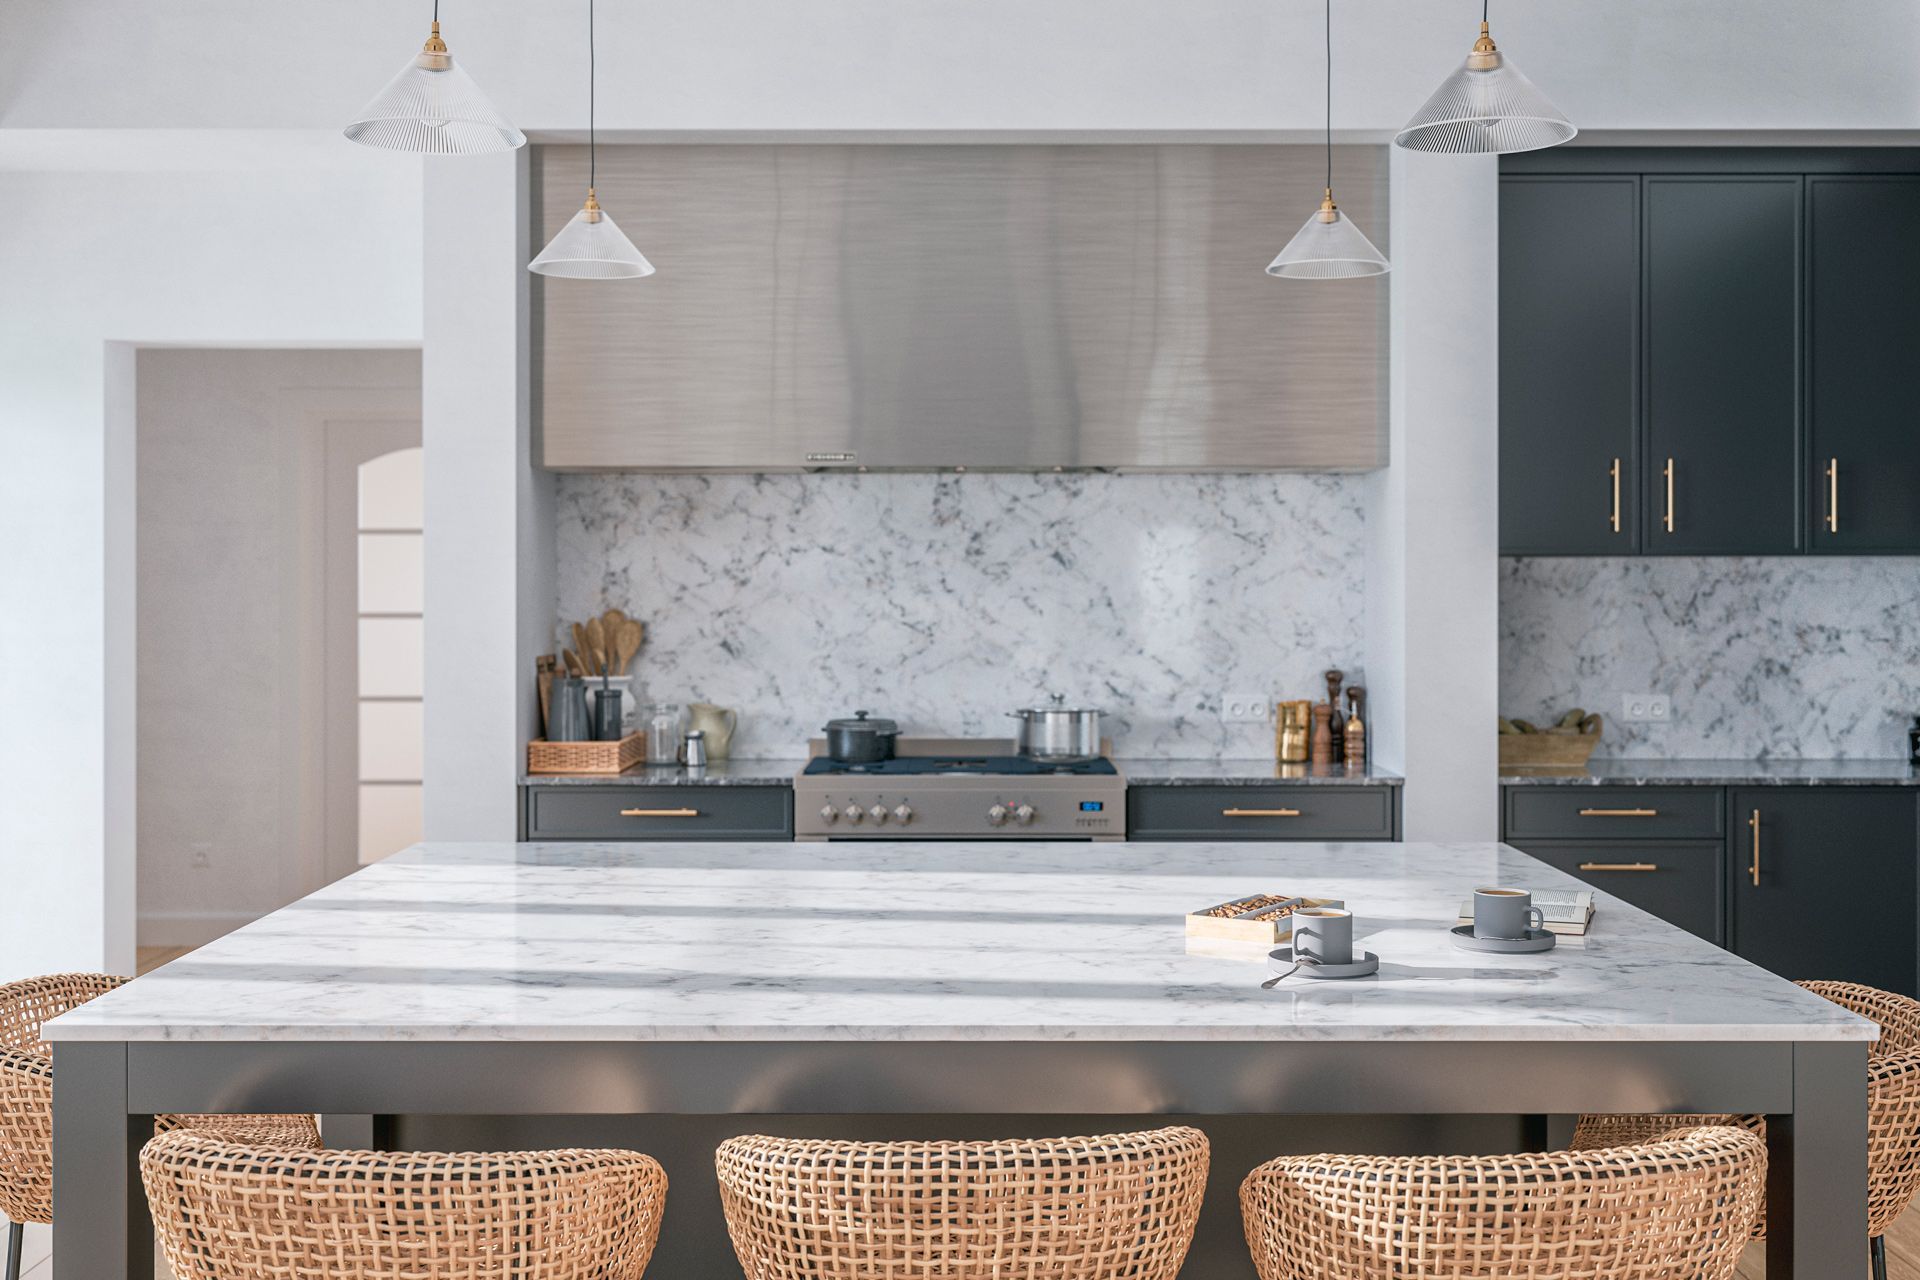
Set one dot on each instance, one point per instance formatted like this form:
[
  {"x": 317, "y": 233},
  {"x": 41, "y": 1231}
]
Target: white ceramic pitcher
[{"x": 717, "y": 723}]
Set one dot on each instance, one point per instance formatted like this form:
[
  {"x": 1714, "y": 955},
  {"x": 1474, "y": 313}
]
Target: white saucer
[
  {"x": 1280, "y": 960},
  {"x": 1536, "y": 940}
]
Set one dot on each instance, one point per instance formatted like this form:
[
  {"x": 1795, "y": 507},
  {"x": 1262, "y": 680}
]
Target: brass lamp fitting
[
  {"x": 433, "y": 54},
  {"x": 1485, "y": 55}
]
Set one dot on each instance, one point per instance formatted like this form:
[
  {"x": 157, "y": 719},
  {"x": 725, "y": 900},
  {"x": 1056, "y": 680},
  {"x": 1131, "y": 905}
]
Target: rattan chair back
[
  {"x": 1677, "y": 1209},
  {"x": 224, "y": 1210},
  {"x": 1042, "y": 1209},
  {"x": 26, "y": 1094}
]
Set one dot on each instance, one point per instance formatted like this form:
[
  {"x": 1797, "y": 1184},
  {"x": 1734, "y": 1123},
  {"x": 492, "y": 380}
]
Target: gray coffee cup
[
  {"x": 1506, "y": 913},
  {"x": 1323, "y": 935}
]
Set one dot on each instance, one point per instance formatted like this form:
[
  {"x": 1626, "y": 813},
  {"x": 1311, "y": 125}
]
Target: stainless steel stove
[{"x": 958, "y": 789}]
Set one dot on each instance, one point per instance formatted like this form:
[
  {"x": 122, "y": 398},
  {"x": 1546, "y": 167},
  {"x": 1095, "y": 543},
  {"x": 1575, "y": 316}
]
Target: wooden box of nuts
[{"x": 1264, "y": 918}]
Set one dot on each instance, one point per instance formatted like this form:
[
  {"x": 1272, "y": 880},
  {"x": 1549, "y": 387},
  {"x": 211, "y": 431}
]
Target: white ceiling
[{"x": 1693, "y": 65}]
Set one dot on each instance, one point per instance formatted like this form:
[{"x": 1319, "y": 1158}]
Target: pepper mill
[
  {"x": 1323, "y": 733},
  {"x": 1338, "y": 724},
  {"x": 1356, "y": 737}
]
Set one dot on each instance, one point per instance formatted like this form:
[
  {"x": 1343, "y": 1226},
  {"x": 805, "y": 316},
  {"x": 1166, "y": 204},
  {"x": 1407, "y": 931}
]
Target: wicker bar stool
[
  {"x": 1046, "y": 1209},
  {"x": 225, "y": 1209},
  {"x": 1893, "y": 1112},
  {"x": 26, "y": 1101},
  {"x": 1676, "y": 1209}
]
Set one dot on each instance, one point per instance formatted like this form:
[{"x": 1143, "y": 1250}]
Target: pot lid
[
  {"x": 1057, "y": 703},
  {"x": 860, "y": 724}
]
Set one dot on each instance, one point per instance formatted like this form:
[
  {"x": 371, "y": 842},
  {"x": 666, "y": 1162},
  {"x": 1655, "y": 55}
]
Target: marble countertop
[
  {"x": 1143, "y": 773},
  {"x": 924, "y": 941},
  {"x": 727, "y": 773},
  {"x": 1248, "y": 773},
  {"x": 1722, "y": 773}
]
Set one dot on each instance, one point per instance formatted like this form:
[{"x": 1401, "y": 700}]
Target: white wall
[
  {"x": 1432, "y": 592},
  {"x": 962, "y": 64},
  {"x": 145, "y": 238}
]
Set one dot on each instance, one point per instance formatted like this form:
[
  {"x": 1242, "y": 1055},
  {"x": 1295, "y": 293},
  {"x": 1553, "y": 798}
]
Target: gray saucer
[
  {"x": 1536, "y": 940},
  {"x": 1280, "y": 960}
]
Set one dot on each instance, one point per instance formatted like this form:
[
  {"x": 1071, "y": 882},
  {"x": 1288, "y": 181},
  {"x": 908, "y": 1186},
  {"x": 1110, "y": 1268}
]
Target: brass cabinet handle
[
  {"x": 1619, "y": 866},
  {"x": 1833, "y": 495},
  {"x": 659, "y": 813},
  {"x": 1259, "y": 813},
  {"x": 1619, "y": 813},
  {"x": 1669, "y": 495},
  {"x": 1754, "y": 870},
  {"x": 1615, "y": 521}
]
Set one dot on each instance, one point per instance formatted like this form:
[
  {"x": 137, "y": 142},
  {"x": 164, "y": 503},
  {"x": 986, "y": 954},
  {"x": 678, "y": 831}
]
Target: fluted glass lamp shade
[
  {"x": 433, "y": 107},
  {"x": 591, "y": 247},
  {"x": 1486, "y": 108},
  {"x": 1328, "y": 247}
]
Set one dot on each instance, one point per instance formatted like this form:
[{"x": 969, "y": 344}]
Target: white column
[
  {"x": 1432, "y": 572},
  {"x": 489, "y": 572}
]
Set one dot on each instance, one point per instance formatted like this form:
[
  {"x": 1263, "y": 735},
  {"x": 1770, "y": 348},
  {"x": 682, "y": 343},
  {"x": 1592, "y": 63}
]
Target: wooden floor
[{"x": 1903, "y": 1241}]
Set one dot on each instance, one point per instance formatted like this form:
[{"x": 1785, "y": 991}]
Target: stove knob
[
  {"x": 855, "y": 813},
  {"x": 1023, "y": 814},
  {"x": 878, "y": 813},
  {"x": 903, "y": 815},
  {"x": 997, "y": 814},
  {"x": 829, "y": 814}
]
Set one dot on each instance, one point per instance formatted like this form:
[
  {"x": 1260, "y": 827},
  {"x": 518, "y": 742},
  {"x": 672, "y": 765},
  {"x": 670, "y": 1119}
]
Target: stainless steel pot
[
  {"x": 1057, "y": 731},
  {"x": 860, "y": 740}
]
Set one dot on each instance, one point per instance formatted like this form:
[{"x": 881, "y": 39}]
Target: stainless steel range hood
[{"x": 1013, "y": 307}]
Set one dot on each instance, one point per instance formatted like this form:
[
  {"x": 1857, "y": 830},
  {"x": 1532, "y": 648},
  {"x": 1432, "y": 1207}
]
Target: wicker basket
[
  {"x": 586, "y": 757},
  {"x": 1550, "y": 749}
]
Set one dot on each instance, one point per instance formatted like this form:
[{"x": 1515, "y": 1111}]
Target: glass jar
[{"x": 663, "y": 733}]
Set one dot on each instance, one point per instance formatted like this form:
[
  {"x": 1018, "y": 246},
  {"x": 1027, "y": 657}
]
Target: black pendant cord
[
  {"x": 1483, "y": 12},
  {"x": 592, "y": 88},
  {"x": 436, "y": 10},
  {"x": 1329, "y": 26}
]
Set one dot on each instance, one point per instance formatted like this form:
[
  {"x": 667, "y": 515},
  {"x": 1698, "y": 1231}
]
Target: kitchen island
[{"x": 1037, "y": 980}]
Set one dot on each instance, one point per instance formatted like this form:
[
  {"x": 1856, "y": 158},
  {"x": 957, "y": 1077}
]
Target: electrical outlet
[
  {"x": 201, "y": 857},
  {"x": 1646, "y": 708},
  {"x": 1246, "y": 708}
]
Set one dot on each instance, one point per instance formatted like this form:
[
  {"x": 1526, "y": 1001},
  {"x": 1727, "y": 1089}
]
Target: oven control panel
[{"x": 839, "y": 808}]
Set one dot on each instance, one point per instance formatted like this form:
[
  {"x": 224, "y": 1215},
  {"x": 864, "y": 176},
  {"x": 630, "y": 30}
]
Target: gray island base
[{"x": 883, "y": 981}]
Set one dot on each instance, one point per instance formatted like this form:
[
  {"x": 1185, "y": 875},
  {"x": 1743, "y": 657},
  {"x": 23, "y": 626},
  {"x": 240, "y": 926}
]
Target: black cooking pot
[{"x": 860, "y": 740}]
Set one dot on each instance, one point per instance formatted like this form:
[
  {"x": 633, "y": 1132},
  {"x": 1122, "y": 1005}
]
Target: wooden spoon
[
  {"x": 573, "y": 663},
  {"x": 597, "y": 642},
  {"x": 581, "y": 647},
  {"x": 631, "y": 636}
]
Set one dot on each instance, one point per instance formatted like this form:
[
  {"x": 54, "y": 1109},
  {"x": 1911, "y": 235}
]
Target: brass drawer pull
[
  {"x": 1619, "y": 866},
  {"x": 659, "y": 813},
  {"x": 1669, "y": 520},
  {"x": 1619, "y": 813},
  {"x": 1615, "y": 521},
  {"x": 1259, "y": 813},
  {"x": 1833, "y": 495},
  {"x": 1754, "y": 870}
]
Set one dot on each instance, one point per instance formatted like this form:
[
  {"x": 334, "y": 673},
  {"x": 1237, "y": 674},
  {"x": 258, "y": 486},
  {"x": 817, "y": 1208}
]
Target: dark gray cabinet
[
  {"x": 1569, "y": 365},
  {"x": 1822, "y": 883},
  {"x": 1722, "y": 473},
  {"x": 1863, "y": 338},
  {"x": 1679, "y": 881},
  {"x": 1736, "y": 325},
  {"x": 607, "y": 812},
  {"x": 1263, "y": 813}
]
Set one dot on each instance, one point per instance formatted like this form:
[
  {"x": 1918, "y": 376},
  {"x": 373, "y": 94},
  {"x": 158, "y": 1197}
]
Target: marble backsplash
[
  {"x": 946, "y": 600},
  {"x": 1789, "y": 656}
]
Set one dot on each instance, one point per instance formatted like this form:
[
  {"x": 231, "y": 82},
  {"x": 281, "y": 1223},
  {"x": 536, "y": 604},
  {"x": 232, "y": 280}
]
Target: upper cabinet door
[
  {"x": 1863, "y": 343},
  {"x": 1722, "y": 472},
  {"x": 1569, "y": 347}
]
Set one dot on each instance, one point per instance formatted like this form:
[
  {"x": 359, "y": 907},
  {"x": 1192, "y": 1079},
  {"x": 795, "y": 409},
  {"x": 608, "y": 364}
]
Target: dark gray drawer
[
  {"x": 1679, "y": 881},
  {"x": 1261, "y": 813},
  {"x": 1613, "y": 813},
  {"x": 659, "y": 813}
]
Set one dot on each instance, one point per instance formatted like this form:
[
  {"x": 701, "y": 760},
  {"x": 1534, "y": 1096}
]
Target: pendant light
[
  {"x": 591, "y": 246},
  {"x": 1486, "y": 108},
  {"x": 1329, "y": 246},
  {"x": 434, "y": 107}
]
